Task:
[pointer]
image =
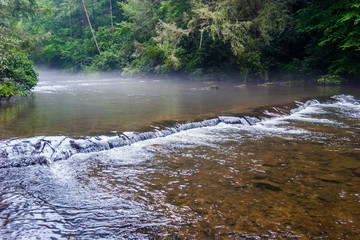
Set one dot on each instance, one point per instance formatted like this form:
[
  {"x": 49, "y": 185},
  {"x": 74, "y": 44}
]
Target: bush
[
  {"x": 330, "y": 79},
  {"x": 17, "y": 73},
  {"x": 7, "y": 89}
]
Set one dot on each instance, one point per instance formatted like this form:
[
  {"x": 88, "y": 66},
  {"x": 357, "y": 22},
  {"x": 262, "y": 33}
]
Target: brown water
[
  {"x": 83, "y": 105},
  {"x": 294, "y": 176}
]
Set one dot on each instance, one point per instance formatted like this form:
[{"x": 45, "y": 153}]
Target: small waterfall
[
  {"x": 44, "y": 150},
  {"x": 47, "y": 149}
]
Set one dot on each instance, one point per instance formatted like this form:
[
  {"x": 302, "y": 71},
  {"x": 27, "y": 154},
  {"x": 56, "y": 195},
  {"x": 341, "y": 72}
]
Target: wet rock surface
[{"x": 44, "y": 150}]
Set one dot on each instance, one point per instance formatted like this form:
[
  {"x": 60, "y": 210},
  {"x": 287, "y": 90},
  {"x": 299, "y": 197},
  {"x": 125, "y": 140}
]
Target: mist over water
[
  {"x": 294, "y": 174},
  {"x": 83, "y": 105}
]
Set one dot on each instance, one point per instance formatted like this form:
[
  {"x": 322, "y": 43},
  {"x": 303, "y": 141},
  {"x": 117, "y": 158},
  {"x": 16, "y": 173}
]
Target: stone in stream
[
  {"x": 252, "y": 120},
  {"x": 233, "y": 120},
  {"x": 356, "y": 172},
  {"x": 212, "y": 87},
  {"x": 267, "y": 186},
  {"x": 334, "y": 178}
]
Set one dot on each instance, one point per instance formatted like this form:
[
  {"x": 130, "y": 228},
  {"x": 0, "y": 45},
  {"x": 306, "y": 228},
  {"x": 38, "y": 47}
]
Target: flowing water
[
  {"x": 82, "y": 105},
  {"x": 293, "y": 172}
]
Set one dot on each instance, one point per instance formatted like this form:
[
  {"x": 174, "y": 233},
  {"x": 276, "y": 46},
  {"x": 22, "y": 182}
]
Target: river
[{"x": 103, "y": 157}]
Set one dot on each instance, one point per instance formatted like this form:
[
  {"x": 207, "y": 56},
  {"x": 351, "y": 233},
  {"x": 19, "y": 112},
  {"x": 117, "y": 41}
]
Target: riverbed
[{"x": 256, "y": 162}]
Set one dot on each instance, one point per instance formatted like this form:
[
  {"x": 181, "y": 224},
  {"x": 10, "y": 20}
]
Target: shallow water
[
  {"x": 293, "y": 175},
  {"x": 83, "y": 105}
]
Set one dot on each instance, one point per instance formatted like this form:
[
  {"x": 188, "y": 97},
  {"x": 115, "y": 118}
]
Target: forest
[{"x": 215, "y": 39}]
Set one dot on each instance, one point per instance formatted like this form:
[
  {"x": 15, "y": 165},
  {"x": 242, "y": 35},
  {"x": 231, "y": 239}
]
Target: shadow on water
[{"x": 14, "y": 111}]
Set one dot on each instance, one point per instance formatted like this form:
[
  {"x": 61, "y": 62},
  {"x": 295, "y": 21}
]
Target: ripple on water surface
[{"x": 294, "y": 176}]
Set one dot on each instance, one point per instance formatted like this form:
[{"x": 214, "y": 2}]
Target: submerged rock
[
  {"x": 356, "y": 172},
  {"x": 251, "y": 120},
  {"x": 212, "y": 87},
  {"x": 267, "y": 186},
  {"x": 44, "y": 150},
  {"x": 233, "y": 120}
]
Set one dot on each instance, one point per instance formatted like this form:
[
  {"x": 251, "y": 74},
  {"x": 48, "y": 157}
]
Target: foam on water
[
  {"x": 211, "y": 135},
  {"x": 49, "y": 89},
  {"x": 103, "y": 191},
  {"x": 45, "y": 150}
]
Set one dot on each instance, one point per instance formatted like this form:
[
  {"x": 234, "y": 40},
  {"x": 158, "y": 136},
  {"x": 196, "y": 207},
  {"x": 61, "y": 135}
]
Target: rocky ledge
[{"x": 47, "y": 149}]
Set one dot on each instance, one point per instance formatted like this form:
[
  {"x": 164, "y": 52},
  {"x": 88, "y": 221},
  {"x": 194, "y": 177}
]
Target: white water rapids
[{"x": 188, "y": 180}]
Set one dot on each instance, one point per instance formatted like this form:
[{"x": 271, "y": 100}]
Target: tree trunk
[
  {"x": 201, "y": 37},
  {"x": 258, "y": 5},
  {"x": 266, "y": 76},
  {"x": 93, "y": 14},
  {"x": 88, "y": 20},
  {"x": 70, "y": 24},
  {"x": 201, "y": 34},
  {"x": 84, "y": 13},
  {"x": 111, "y": 17},
  {"x": 244, "y": 10}
]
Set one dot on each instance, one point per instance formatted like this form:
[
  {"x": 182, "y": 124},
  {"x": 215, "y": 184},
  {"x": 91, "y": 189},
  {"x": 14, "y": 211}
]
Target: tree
[
  {"x": 338, "y": 25},
  {"x": 221, "y": 21},
  {"x": 17, "y": 73},
  {"x": 111, "y": 16},
  {"x": 141, "y": 17},
  {"x": 89, "y": 24},
  {"x": 249, "y": 37}
]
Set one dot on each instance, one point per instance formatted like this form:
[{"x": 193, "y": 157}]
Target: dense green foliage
[
  {"x": 257, "y": 38},
  {"x": 338, "y": 23},
  {"x": 17, "y": 74}
]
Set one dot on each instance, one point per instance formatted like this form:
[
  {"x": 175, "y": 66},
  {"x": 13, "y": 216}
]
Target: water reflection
[{"x": 78, "y": 105}]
